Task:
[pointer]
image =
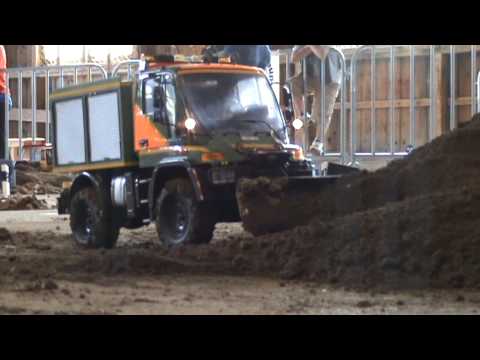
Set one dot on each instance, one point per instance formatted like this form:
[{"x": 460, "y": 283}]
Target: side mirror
[
  {"x": 288, "y": 104},
  {"x": 157, "y": 97}
]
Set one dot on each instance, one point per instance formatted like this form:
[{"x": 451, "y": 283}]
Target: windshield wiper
[{"x": 270, "y": 126}]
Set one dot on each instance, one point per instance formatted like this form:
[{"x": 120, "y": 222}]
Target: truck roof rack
[{"x": 157, "y": 61}]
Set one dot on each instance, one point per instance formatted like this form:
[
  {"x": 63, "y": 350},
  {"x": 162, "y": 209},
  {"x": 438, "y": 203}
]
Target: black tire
[
  {"x": 179, "y": 218},
  {"x": 90, "y": 221}
]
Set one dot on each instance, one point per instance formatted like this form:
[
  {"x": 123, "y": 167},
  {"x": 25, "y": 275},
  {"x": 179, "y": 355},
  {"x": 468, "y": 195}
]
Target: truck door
[{"x": 160, "y": 104}]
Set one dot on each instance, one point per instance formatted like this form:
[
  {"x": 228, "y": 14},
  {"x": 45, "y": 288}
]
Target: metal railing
[
  {"x": 393, "y": 56},
  {"x": 432, "y": 86},
  {"x": 478, "y": 92},
  {"x": 128, "y": 68},
  {"x": 392, "y": 99},
  {"x": 55, "y": 77}
]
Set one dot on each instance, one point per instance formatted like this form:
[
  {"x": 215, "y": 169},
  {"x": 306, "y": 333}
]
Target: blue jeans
[{"x": 2, "y": 100}]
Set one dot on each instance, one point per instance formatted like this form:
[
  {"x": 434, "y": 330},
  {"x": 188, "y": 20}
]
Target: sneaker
[
  {"x": 308, "y": 118},
  {"x": 317, "y": 148}
]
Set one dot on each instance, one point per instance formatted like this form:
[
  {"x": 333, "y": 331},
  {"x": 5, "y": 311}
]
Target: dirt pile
[
  {"x": 22, "y": 202},
  {"x": 422, "y": 242},
  {"x": 449, "y": 162},
  {"x": 411, "y": 224},
  {"x": 31, "y": 179}
]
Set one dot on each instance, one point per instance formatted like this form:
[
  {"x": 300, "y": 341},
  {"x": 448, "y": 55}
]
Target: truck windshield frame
[{"x": 232, "y": 101}]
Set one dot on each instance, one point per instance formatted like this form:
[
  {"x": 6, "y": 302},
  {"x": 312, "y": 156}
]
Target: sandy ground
[{"x": 34, "y": 290}]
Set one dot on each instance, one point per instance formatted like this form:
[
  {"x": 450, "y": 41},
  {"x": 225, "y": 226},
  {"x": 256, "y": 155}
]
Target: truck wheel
[
  {"x": 180, "y": 219},
  {"x": 89, "y": 222}
]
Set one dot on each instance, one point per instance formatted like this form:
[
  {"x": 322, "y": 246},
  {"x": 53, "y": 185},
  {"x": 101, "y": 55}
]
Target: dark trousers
[{"x": 2, "y": 129}]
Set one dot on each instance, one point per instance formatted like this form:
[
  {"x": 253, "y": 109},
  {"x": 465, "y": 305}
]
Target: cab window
[{"x": 160, "y": 103}]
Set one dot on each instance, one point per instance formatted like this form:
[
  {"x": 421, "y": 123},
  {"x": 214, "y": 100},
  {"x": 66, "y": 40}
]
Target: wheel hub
[{"x": 177, "y": 215}]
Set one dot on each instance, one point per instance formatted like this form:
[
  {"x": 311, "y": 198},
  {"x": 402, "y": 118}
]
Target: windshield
[{"x": 243, "y": 103}]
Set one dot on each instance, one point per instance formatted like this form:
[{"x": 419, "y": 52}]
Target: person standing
[
  {"x": 314, "y": 55},
  {"x": 4, "y": 97},
  {"x": 250, "y": 55}
]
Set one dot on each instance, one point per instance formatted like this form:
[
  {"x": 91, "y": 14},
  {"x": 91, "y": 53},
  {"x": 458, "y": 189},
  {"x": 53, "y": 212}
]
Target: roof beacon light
[
  {"x": 190, "y": 124},
  {"x": 225, "y": 60}
]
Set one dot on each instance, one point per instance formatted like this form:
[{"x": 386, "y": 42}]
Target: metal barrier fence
[
  {"x": 392, "y": 61},
  {"x": 349, "y": 138},
  {"x": 55, "y": 77},
  {"x": 127, "y": 68},
  {"x": 432, "y": 85}
]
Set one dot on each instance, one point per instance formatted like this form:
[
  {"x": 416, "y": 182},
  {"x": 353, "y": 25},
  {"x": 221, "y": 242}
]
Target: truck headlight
[
  {"x": 190, "y": 124},
  {"x": 297, "y": 124}
]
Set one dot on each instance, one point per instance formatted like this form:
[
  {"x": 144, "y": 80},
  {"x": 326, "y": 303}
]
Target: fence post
[
  {"x": 433, "y": 94},
  {"x": 353, "y": 107},
  {"x": 392, "y": 100},
  {"x": 473, "y": 71},
  {"x": 34, "y": 111},
  {"x": 453, "y": 89},
  {"x": 343, "y": 120},
  {"x": 47, "y": 106},
  {"x": 20, "y": 114},
  {"x": 7, "y": 118},
  {"x": 412, "y": 97},
  {"x": 306, "y": 132},
  {"x": 478, "y": 92},
  {"x": 373, "y": 95}
]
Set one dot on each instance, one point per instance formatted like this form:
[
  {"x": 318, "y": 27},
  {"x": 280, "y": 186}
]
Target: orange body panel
[
  {"x": 146, "y": 130},
  {"x": 229, "y": 68},
  {"x": 200, "y": 67}
]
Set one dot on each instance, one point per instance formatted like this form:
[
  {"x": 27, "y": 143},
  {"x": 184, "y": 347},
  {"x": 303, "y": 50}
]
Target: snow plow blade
[{"x": 269, "y": 205}]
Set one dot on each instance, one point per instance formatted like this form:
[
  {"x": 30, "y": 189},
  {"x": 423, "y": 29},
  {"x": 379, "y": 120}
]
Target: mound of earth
[
  {"x": 448, "y": 162},
  {"x": 413, "y": 223},
  {"x": 22, "y": 202},
  {"x": 31, "y": 179}
]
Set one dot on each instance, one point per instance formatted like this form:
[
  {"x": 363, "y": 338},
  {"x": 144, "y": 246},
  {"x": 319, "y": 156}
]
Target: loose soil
[
  {"x": 32, "y": 181},
  {"x": 411, "y": 224},
  {"x": 42, "y": 272}
]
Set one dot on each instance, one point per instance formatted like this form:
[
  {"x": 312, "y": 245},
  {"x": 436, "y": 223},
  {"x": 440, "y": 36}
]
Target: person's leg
[
  {"x": 331, "y": 93},
  {"x": 297, "y": 96},
  {"x": 2, "y": 128},
  {"x": 317, "y": 147}
]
